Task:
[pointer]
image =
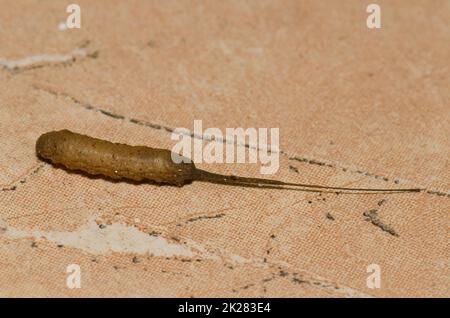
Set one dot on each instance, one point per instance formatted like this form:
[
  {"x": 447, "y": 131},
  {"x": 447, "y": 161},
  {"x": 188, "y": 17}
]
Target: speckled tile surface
[{"x": 355, "y": 107}]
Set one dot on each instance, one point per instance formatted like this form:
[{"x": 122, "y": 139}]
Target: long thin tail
[{"x": 202, "y": 175}]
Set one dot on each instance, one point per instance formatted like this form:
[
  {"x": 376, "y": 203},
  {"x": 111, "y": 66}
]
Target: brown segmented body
[
  {"x": 114, "y": 160},
  {"x": 140, "y": 163}
]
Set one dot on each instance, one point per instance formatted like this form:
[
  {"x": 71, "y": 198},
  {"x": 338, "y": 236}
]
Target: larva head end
[{"x": 46, "y": 145}]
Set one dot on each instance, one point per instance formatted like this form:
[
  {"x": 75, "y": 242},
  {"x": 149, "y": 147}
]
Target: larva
[{"x": 139, "y": 163}]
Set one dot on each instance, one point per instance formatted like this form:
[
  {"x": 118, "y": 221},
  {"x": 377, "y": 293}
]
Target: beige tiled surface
[{"x": 372, "y": 107}]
